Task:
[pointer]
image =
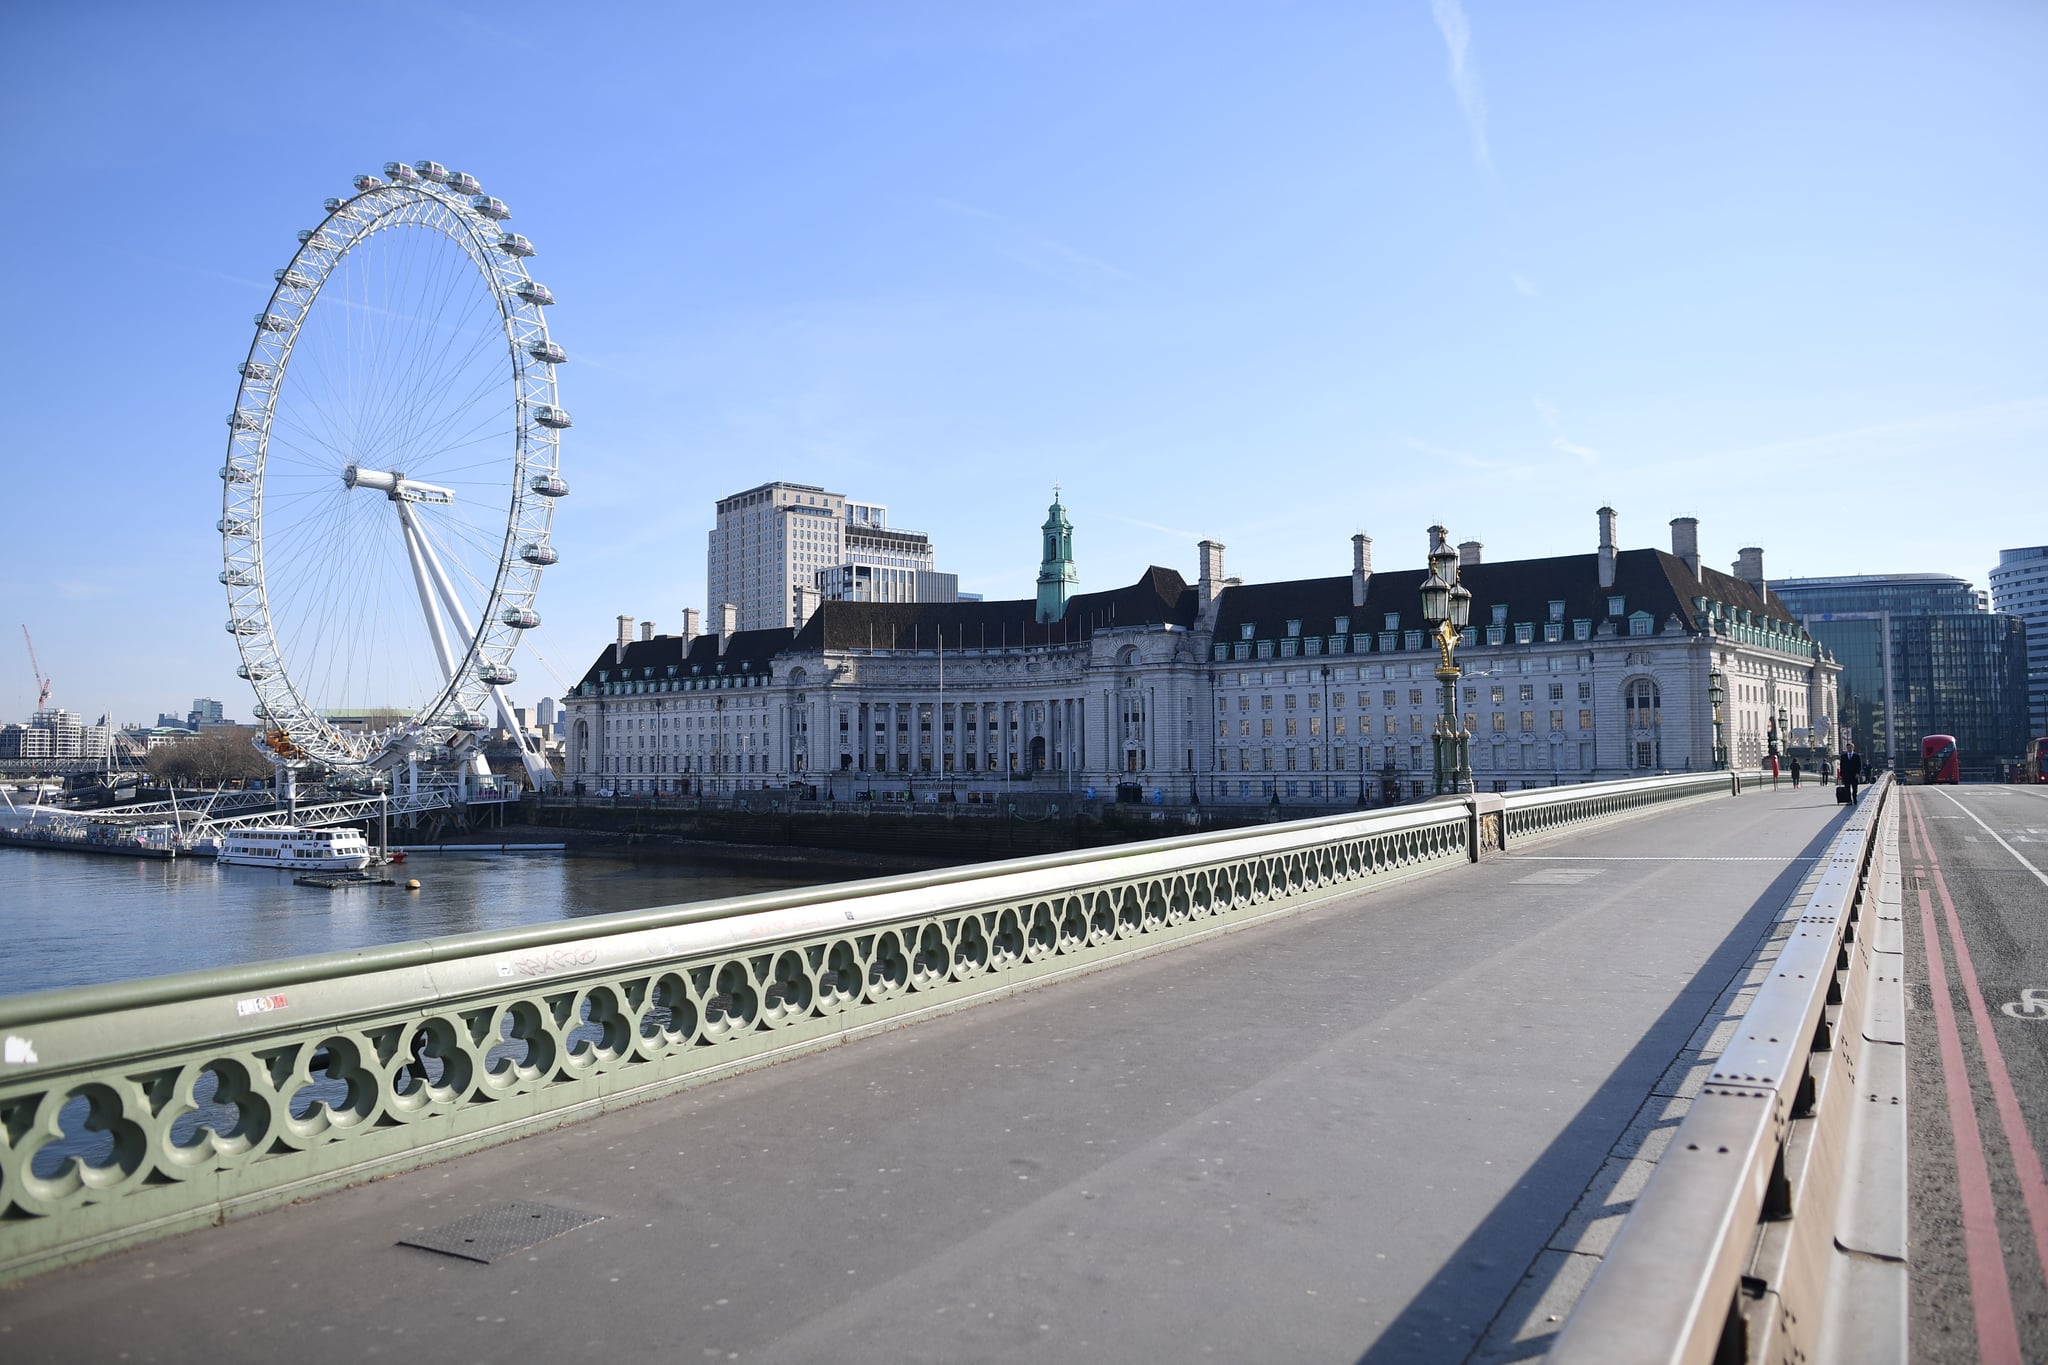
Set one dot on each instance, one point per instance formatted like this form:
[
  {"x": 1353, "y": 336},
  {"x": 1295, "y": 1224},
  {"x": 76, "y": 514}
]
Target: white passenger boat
[{"x": 301, "y": 850}]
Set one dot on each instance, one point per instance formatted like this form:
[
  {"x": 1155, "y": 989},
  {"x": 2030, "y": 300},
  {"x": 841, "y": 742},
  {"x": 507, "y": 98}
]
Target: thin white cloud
[
  {"x": 1456, "y": 457},
  {"x": 1154, "y": 526},
  {"x": 1910, "y": 435},
  {"x": 1558, "y": 440},
  {"x": 1450, "y": 20},
  {"x": 1036, "y": 251}
]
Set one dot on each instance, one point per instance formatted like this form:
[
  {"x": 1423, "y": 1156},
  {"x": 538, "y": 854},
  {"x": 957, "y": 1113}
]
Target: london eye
[{"x": 392, "y": 472}]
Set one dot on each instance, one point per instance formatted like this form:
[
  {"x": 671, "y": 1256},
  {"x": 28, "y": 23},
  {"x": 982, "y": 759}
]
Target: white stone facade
[{"x": 1581, "y": 668}]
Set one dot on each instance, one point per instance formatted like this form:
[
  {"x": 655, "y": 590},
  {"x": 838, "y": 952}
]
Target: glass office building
[
  {"x": 2019, "y": 587},
  {"x": 1920, "y": 655}
]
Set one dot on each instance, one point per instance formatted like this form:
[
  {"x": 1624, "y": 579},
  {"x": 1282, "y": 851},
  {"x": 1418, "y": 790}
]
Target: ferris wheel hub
[{"x": 395, "y": 486}]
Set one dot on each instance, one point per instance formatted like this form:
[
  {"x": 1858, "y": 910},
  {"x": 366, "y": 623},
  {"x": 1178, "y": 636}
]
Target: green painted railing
[{"x": 139, "y": 1109}]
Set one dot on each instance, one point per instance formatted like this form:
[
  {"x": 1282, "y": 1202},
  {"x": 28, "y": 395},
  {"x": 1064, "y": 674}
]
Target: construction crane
[{"x": 42, "y": 683}]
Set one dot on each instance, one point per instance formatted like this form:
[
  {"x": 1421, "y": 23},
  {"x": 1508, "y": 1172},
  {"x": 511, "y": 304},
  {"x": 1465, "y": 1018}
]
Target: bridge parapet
[
  {"x": 139, "y": 1109},
  {"x": 1774, "y": 1227}
]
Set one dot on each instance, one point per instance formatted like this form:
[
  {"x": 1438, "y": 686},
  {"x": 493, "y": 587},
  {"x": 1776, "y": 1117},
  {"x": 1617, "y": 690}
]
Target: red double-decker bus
[
  {"x": 1938, "y": 761},
  {"x": 2037, "y": 760}
]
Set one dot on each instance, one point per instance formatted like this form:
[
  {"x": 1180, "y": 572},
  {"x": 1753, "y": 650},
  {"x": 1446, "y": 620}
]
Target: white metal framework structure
[{"x": 393, "y": 465}]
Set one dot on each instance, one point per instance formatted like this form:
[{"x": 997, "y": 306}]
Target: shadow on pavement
[{"x": 1439, "y": 1323}]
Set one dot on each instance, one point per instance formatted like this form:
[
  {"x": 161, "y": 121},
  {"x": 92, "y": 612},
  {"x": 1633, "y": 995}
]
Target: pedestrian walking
[
  {"x": 1774, "y": 772},
  {"x": 1852, "y": 771},
  {"x": 1795, "y": 774}
]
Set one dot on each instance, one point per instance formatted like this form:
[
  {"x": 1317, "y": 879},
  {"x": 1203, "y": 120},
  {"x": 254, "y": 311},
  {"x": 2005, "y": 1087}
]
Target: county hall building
[{"x": 1319, "y": 691}]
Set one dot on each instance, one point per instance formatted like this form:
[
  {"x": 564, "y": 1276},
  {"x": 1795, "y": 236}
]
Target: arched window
[{"x": 1643, "y": 714}]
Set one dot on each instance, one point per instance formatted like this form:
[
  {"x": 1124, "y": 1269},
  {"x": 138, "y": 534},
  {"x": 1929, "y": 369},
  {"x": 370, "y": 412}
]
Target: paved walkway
[{"x": 1398, "y": 1126}]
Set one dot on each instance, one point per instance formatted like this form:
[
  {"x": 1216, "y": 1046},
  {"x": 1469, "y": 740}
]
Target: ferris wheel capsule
[
  {"x": 332, "y": 204},
  {"x": 489, "y": 207},
  {"x": 272, "y": 322},
  {"x": 498, "y": 675},
  {"x": 550, "y": 485},
  {"x": 534, "y": 292},
  {"x": 366, "y": 182},
  {"x": 533, "y": 552},
  {"x": 521, "y": 618},
  {"x": 463, "y": 184},
  {"x": 547, "y": 352},
  {"x": 548, "y": 415},
  {"x": 398, "y": 173},
  {"x": 512, "y": 244},
  {"x": 254, "y": 369},
  {"x": 431, "y": 170},
  {"x": 292, "y": 279},
  {"x": 318, "y": 238}
]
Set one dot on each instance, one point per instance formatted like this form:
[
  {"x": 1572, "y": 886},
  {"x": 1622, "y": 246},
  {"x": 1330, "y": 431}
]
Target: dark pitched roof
[
  {"x": 1159, "y": 597},
  {"x": 1647, "y": 580},
  {"x": 749, "y": 653}
]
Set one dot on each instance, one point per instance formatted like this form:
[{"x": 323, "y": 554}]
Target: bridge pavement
[{"x": 1400, "y": 1125}]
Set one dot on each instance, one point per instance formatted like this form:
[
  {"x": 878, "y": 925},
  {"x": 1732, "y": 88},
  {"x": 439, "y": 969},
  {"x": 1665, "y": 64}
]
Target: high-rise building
[
  {"x": 206, "y": 711},
  {"x": 1920, "y": 655},
  {"x": 779, "y": 549},
  {"x": 2019, "y": 587}
]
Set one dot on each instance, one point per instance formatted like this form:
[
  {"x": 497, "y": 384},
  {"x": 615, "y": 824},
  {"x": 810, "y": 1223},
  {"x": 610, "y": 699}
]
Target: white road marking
[
  {"x": 2039, "y": 875},
  {"x": 2032, "y": 1004}
]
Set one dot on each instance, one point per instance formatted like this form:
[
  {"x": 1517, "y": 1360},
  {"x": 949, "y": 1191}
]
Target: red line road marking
[
  {"x": 2026, "y": 1159},
  {"x": 1998, "y": 1337}
]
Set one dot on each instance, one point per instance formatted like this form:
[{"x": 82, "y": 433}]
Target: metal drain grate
[{"x": 500, "y": 1232}]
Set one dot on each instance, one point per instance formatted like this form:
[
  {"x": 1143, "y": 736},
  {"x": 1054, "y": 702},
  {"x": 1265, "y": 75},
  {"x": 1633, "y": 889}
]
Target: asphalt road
[
  {"x": 1975, "y": 862},
  {"x": 1402, "y": 1125}
]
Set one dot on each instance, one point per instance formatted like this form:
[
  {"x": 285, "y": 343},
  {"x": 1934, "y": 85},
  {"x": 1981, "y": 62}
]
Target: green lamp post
[{"x": 1447, "y": 606}]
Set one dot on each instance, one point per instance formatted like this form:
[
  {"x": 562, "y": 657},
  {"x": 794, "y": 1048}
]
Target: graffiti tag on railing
[{"x": 548, "y": 962}]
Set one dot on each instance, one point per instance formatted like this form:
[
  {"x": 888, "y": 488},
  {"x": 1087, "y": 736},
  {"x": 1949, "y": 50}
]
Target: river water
[{"x": 69, "y": 919}]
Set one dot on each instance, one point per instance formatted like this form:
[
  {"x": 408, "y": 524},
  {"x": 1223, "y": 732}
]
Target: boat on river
[
  {"x": 95, "y": 836},
  {"x": 298, "y": 850}
]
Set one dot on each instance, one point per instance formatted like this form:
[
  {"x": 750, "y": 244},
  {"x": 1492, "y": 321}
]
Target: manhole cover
[{"x": 500, "y": 1232}]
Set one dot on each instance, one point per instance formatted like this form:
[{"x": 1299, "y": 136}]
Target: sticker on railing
[
  {"x": 2032, "y": 1004},
  {"x": 18, "y": 1051},
  {"x": 261, "y": 1004}
]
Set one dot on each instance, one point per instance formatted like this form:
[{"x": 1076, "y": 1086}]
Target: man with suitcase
[{"x": 1851, "y": 772}]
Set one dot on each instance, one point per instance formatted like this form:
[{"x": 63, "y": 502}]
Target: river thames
[{"x": 74, "y": 920}]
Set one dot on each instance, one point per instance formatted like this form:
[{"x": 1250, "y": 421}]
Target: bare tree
[{"x": 216, "y": 755}]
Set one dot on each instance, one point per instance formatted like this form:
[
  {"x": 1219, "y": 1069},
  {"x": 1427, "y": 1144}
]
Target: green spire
[{"x": 1056, "y": 575}]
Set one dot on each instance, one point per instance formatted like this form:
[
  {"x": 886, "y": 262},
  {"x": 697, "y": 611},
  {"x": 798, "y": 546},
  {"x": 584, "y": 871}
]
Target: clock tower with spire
[{"x": 1056, "y": 576}]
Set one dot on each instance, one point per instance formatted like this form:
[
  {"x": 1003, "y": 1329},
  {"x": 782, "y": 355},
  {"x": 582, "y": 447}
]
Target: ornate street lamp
[
  {"x": 1717, "y": 692},
  {"x": 1447, "y": 606}
]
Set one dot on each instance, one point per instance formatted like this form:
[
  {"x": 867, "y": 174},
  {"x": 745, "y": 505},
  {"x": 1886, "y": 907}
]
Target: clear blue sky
[{"x": 1271, "y": 274}]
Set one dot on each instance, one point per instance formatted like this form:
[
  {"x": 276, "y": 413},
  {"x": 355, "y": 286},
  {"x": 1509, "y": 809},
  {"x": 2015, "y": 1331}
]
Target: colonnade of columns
[{"x": 913, "y": 735}]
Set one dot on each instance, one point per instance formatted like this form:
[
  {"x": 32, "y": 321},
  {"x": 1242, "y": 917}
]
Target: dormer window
[
  {"x": 1500, "y": 613},
  {"x": 1393, "y": 620},
  {"x": 1247, "y": 630},
  {"x": 1294, "y": 629},
  {"x": 1343, "y": 625},
  {"x": 1557, "y": 610},
  {"x": 1617, "y": 606}
]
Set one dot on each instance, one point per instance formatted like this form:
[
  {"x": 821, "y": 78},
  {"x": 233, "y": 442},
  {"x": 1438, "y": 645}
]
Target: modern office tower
[
  {"x": 2019, "y": 587},
  {"x": 778, "y": 549},
  {"x": 1920, "y": 655}
]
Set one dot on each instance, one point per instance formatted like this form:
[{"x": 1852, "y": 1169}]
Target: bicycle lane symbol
[{"x": 2032, "y": 1004}]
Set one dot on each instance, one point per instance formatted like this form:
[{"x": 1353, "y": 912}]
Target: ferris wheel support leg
[
  {"x": 446, "y": 590},
  {"x": 422, "y": 556}
]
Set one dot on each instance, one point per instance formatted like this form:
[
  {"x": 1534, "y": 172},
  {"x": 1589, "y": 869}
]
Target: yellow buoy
[{"x": 413, "y": 885}]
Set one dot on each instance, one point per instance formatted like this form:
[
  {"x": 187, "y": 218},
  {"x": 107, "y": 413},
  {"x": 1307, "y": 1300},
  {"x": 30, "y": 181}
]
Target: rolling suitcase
[{"x": 1842, "y": 794}]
